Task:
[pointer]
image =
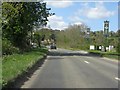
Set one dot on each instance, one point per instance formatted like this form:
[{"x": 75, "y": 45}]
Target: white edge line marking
[
  {"x": 117, "y": 78},
  {"x": 113, "y": 60},
  {"x": 87, "y": 62}
]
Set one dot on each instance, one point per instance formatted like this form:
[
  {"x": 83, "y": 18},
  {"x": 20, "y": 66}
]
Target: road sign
[{"x": 106, "y": 28}]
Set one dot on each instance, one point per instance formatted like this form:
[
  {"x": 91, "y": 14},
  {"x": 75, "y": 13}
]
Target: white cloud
[
  {"x": 78, "y": 23},
  {"x": 76, "y": 19},
  {"x": 60, "y": 3},
  {"x": 97, "y": 12},
  {"x": 57, "y": 22}
]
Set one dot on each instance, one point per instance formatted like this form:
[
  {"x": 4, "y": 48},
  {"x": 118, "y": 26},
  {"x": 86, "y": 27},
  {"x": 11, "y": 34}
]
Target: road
[{"x": 74, "y": 69}]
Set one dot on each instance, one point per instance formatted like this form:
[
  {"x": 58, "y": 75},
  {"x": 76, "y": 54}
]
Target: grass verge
[
  {"x": 112, "y": 55},
  {"x": 14, "y": 65}
]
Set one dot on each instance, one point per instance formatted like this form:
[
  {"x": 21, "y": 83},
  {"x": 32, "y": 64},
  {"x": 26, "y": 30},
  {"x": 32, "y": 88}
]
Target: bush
[
  {"x": 8, "y": 48},
  {"x": 118, "y": 48}
]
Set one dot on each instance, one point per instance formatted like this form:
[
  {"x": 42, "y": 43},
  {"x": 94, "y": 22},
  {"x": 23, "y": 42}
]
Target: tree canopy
[{"x": 19, "y": 18}]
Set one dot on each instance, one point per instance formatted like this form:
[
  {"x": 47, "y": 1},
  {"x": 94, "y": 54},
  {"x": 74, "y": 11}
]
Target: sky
[{"x": 92, "y": 14}]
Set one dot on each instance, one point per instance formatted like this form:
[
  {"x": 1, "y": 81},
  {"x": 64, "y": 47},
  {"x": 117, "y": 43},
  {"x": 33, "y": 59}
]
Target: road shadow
[
  {"x": 54, "y": 53},
  {"x": 55, "y": 58}
]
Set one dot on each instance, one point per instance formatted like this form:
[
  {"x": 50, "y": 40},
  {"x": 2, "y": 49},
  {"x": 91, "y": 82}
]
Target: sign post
[{"x": 106, "y": 33}]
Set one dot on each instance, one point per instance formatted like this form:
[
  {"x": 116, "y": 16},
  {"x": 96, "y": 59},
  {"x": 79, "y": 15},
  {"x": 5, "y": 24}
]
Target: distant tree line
[
  {"x": 47, "y": 36},
  {"x": 75, "y": 36}
]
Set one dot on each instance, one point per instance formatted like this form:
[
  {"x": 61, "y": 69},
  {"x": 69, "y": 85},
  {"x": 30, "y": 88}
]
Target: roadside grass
[
  {"x": 14, "y": 65},
  {"x": 112, "y": 55}
]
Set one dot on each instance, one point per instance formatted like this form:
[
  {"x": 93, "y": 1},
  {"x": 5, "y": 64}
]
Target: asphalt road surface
[{"x": 74, "y": 69}]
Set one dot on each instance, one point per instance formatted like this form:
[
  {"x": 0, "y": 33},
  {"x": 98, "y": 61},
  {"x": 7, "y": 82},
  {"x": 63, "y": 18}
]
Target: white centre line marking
[
  {"x": 117, "y": 78},
  {"x": 87, "y": 62}
]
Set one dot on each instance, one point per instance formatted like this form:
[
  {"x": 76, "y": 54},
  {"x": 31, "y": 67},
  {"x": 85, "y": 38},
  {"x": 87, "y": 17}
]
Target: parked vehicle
[{"x": 53, "y": 46}]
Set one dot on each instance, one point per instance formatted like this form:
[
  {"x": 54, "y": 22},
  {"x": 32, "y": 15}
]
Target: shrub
[{"x": 8, "y": 48}]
